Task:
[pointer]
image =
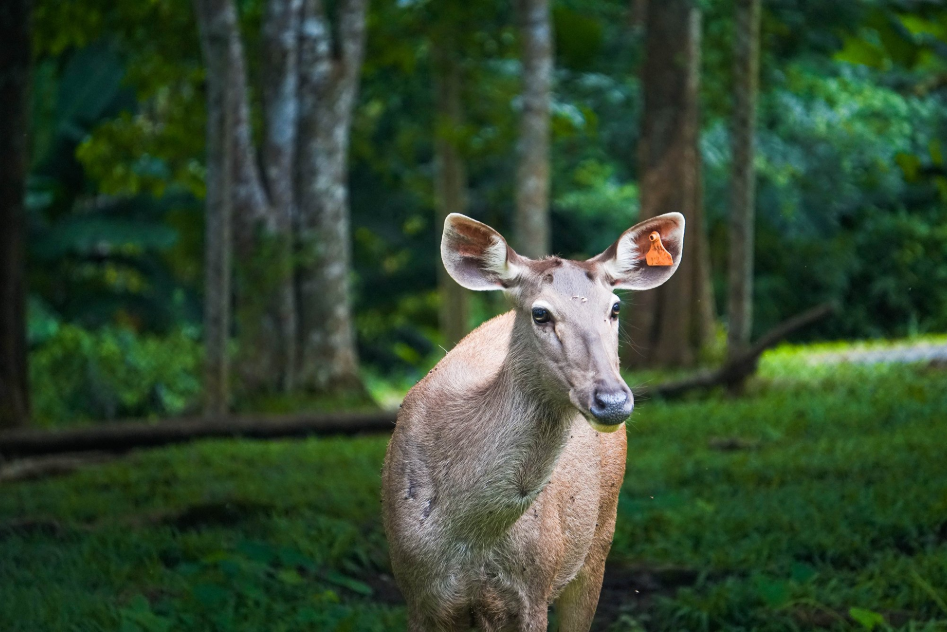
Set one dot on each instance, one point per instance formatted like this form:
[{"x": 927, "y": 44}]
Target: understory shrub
[{"x": 113, "y": 372}]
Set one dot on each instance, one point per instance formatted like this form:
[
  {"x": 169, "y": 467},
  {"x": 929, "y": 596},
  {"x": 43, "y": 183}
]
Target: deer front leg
[
  {"x": 575, "y": 607},
  {"x": 537, "y": 620}
]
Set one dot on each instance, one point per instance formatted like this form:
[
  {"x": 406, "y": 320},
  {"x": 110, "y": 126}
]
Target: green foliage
[
  {"x": 831, "y": 515},
  {"x": 256, "y": 584},
  {"x": 835, "y": 501},
  {"x": 95, "y": 259},
  {"x": 221, "y": 535},
  {"x": 866, "y": 618},
  {"x": 851, "y": 185},
  {"x": 835, "y": 211},
  {"x": 112, "y": 373}
]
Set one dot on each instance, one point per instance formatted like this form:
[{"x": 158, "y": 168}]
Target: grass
[{"x": 828, "y": 509}]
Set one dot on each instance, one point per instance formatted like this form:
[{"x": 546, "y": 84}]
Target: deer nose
[{"x": 612, "y": 405}]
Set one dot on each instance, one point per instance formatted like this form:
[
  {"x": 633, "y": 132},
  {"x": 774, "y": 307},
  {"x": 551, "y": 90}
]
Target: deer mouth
[{"x": 605, "y": 428}]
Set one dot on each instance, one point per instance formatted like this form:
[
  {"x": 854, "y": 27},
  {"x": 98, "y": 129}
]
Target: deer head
[{"x": 566, "y": 327}]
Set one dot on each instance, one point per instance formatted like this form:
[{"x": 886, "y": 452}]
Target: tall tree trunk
[
  {"x": 328, "y": 89},
  {"x": 218, "y": 240},
  {"x": 262, "y": 218},
  {"x": 746, "y": 68},
  {"x": 670, "y": 324},
  {"x": 451, "y": 184},
  {"x": 281, "y": 114},
  {"x": 15, "y": 67},
  {"x": 532, "y": 175},
  {"x": 218, "y": 24}
]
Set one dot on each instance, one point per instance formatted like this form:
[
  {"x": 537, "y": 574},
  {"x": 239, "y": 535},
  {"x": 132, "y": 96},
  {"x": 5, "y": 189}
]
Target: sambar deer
[{"x": 501, "y": 481}]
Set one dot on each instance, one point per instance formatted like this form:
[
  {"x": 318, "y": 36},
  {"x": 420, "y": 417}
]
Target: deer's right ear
[
  {"x": 628, "y": 263},
  {"x": 476, "y": 256}
]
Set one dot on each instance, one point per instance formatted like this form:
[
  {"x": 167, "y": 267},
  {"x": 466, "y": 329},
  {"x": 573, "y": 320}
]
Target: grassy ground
[{"x": 818, "y": 500}]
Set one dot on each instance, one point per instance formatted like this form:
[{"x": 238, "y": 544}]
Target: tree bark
[
  {"x": 262, "y": 217},
  {"x": 742, "y": 180},
  {"x": 15, "y": 69},
  {"x": 328, "y": 88},
  {"x": 532, "y": 176},
  {"x": 127, "y": 435},
  {"x": 740, "y": 366},
  {"x": 273, "y": 287},
  {"x": 450, "y": 185},
  {"x": 669, "y": 325},
  {"x": 218, "y": 25},
  {"x": 218, "y": 238},
  {"x": 223, "y": 56}
]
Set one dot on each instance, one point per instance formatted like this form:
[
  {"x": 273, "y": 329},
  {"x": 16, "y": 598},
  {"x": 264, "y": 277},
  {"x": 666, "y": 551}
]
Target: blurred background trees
[
  {"x": 746, "y": 70},
  {"x": 449, "y": 40},
  {"x": 289, "y": 200},
  {"x": 671, "y": 324},
  {"x": 532, "y": 237},
  {"x": 15, "y": 66},
  {"x": 351, "y": 139}
]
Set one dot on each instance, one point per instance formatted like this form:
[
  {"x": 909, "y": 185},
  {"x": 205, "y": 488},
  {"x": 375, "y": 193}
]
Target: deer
[{"x": 501, "y": 479}]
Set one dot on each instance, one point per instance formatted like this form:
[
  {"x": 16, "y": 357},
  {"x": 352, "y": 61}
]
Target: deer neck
[{"x": 524, "y": 431}]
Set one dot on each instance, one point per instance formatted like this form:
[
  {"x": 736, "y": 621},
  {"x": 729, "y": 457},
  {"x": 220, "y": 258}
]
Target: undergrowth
[{"x": 818, "y": 500}]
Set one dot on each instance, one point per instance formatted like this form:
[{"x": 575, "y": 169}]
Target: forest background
[
  {"x": 220, "y": 219},
  {"x": 850, "y": 188}
]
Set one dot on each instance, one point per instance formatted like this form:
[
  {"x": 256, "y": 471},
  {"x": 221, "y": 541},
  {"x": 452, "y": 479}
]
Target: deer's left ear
[
  {"x": 646, "y": 255},
  {"x": 478, "y": 257}
]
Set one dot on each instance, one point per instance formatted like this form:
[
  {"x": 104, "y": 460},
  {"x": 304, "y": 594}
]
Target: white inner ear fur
[
  {"x": 494, "y": 260},
  {"x": 626, "y": 257}
]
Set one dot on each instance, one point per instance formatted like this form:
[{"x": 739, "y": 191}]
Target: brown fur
[{"x": 499, "y": 496}]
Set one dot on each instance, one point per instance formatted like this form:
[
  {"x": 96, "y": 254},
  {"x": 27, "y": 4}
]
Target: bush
[{"x": 113, "y": 372}]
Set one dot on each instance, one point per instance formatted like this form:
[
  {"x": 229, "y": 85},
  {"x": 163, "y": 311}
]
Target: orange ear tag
[{"x": 658, "y": 256}]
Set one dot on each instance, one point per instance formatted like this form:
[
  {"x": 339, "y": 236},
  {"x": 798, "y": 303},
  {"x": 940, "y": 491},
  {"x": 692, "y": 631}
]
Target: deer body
[{"x": 501, "y": 481}]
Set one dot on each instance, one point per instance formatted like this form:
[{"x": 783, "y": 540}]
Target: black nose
[{"x": 612, "y": 405}]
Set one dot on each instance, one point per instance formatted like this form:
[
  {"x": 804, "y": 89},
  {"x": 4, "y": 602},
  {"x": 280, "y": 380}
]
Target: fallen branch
[
  {"x": 123, "y": 436},
  {"x": 733, "y": 373},
  {"x": 49, "y": 465}
]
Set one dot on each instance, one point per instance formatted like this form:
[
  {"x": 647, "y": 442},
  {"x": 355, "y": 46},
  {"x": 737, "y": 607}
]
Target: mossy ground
[{"x": 817, "y": 500}]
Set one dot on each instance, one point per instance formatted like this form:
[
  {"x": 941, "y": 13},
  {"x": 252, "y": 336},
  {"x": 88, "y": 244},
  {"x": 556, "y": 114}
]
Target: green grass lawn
[{"x": 818, "y": 500}]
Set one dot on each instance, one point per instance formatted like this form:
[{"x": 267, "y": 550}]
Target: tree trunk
[
  {"x": 669, "y": 325},
  {"x": 273, "y": 287},
  {"x": 15, "y": 66},
  {"x": 218, "y": 23},
  {"x": 328, "y": 89},
  {"x": 450, "y": 185},
  {"x": 262, "y": 218},
  {"x": 223, "y": 57},
  {"x": 532, "y": 176},
  {"x": 742, "y": 181},
  {"x": 218, "y": 239}
]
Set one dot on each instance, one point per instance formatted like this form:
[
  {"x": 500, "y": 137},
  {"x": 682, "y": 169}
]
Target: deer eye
[
  {"x": 615, "y": 309},
  {"x": 540, "y": 315}
]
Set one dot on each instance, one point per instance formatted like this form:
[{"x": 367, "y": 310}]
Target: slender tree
[
  {"x": 450, "y": 181},
  {"x": 670, "y": 324},
  {"x": 330, "y": 62},
  {"x": 532, "y": 176},
  {"x": 290, "y": 226},
  {"x": 267, "y": 309},
  {"x": 746, "y": 70},
  {"x": 237, "y": 213},
  {"x": 15, "y": 70},
  {"x": 217, "y": 274}
]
